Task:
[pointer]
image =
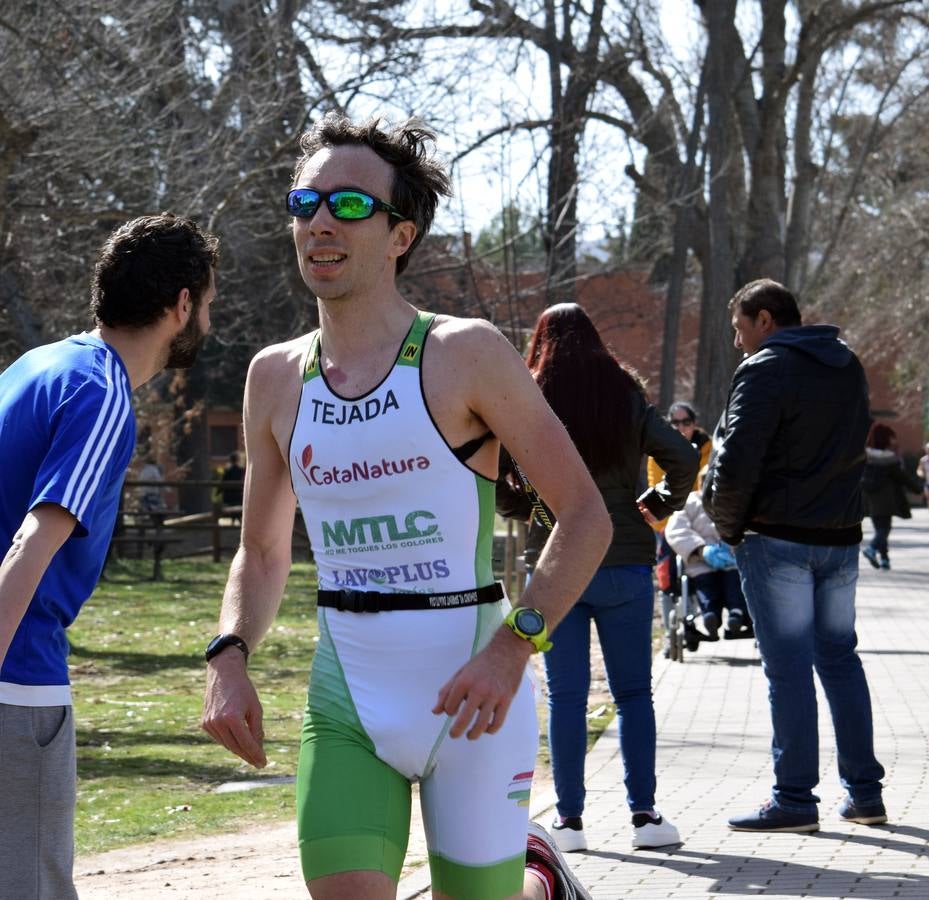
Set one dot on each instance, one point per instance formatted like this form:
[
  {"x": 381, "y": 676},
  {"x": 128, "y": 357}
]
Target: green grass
[{"x": 145, "y": 769}]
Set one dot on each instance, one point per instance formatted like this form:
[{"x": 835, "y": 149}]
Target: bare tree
[
  {"x": 109, "y": 111},
  {"x": 872, "y": 206},
  {"x": 195, "y": 105}
]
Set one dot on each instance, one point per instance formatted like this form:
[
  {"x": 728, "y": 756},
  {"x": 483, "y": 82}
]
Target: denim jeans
[
  {"x": 802, "y": 599},
  {"x": 718, "y": 590},
  {"x": 620, "y": 601},
  {"x": 881, "y": 534}
]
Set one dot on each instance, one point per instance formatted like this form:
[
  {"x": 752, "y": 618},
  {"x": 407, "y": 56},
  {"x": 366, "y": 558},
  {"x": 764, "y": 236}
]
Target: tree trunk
[
  {"x": 561, "y": 225},
  {"x": 715, "y": 356},
  {"x": 805, "y": 172},
  {"x": 684, "y": 222}
]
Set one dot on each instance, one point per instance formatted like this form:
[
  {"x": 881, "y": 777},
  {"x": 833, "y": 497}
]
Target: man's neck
[
  {"x": 140, "y": 350},
  {"x": 354, "y": 328}
]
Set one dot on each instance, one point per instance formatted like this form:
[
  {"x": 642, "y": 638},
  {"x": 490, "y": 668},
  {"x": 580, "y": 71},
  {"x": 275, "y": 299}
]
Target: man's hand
[
  {"x": 232, "y": 713},
  {"x": 485, "y": 686},
  {"x": 732, "y": 540}
]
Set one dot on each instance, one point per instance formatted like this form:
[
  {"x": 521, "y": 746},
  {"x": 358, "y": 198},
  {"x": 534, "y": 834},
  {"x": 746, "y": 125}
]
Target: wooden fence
[{"x": 164, "y": 531}]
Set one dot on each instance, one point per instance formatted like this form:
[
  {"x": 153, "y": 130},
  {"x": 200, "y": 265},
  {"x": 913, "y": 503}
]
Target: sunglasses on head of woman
[{"x": 347, "y": 204}]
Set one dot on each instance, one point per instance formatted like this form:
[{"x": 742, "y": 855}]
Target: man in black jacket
[{"x": 784, "y": 488}]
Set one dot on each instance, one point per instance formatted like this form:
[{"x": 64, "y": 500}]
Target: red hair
[{"x": 585, "y": 385}]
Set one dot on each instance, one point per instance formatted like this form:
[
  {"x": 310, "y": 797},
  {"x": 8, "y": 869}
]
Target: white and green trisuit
[{"x": 389, "y": 507}]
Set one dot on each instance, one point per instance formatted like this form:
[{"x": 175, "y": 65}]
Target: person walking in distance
[
  {"x": 67, "y": 433},
  {"x": 784, "y": 489},
  {"x": 386, "y": 424},
  {"x": 233, "y": 473},
  {"x": 884, "y": 485}
]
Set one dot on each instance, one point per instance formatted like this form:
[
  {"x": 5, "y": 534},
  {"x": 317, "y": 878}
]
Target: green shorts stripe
[
  {"x": 353, "y": 810},
  {"x": 489, "y": 882}
]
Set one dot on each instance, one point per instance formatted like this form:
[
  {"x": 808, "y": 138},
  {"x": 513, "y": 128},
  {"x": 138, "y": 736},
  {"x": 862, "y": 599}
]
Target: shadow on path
[{"x": 741, "y": 875}]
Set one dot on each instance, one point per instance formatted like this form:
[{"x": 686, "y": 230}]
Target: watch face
[{"x": 529, "y": 622}]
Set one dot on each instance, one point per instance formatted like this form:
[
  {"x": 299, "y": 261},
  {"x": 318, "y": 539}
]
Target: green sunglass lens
[{"x": 351, "y": 205}]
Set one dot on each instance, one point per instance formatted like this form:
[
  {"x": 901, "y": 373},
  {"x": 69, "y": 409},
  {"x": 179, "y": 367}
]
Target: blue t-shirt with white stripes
[{"x": 67, "y": 432}]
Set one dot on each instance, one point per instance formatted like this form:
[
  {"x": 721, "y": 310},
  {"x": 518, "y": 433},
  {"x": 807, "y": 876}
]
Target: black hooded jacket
[{"x": 789, "y": 450}]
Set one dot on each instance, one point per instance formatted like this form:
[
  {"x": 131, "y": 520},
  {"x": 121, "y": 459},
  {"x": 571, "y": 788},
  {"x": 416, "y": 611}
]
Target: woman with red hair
[{"x": 603, "y": 406}]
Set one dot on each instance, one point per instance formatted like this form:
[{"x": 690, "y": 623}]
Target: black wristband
[{"x": 221, "y": 641}]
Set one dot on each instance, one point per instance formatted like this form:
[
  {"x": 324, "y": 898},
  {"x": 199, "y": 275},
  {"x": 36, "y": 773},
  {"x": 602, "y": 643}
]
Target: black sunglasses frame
[
  {"x": 377, "y": 205},
  {"x": 681, "y": 421}
]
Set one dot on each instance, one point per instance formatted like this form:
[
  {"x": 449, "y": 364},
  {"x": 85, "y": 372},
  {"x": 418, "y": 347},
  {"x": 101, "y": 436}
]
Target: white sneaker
[
  {"x": 653, "y": 830},
  {"x": 568, "y": 834},
  {"x": 541, "y": 848}
]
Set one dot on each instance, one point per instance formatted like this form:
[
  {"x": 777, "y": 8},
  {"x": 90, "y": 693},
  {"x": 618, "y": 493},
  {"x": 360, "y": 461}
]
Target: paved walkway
[{"x": 714, "y": 758}]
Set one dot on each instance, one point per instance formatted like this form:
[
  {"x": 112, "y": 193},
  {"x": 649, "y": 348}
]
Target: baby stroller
[{"x": 674, "y": 593}]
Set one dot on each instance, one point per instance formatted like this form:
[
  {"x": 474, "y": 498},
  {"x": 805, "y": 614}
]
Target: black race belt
[{"x": 384, "y": 601}]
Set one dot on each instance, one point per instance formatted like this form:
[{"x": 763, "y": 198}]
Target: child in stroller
[{"x": 712, "y": 577}]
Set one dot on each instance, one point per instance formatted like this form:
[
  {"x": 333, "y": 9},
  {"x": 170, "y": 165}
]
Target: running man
[
  {"x": 385, "y": 425},
  {"x": 67, "y": 432}
]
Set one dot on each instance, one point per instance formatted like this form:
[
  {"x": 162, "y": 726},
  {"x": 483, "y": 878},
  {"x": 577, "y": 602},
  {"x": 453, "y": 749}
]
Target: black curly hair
[{"x": 143, "y": 266}]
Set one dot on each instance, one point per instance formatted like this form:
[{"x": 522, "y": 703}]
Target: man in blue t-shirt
[{"x": 67, "y": 433}]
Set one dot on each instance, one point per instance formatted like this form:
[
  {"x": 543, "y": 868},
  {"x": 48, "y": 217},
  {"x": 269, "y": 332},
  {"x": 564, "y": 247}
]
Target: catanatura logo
[
  {"x": 383, "y": 532},
  {"x": 365, "y": 470}
]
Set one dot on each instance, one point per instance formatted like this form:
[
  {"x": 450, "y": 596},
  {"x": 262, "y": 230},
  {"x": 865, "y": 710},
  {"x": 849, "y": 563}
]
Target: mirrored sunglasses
[{"x": 347, "y": 205}]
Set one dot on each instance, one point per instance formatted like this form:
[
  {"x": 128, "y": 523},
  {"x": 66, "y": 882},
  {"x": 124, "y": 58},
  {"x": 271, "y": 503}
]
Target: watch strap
[{"x": 221, "y": 641}]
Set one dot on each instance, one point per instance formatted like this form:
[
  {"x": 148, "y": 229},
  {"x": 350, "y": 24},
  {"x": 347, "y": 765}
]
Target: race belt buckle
[{"x": 357, "y": 601}]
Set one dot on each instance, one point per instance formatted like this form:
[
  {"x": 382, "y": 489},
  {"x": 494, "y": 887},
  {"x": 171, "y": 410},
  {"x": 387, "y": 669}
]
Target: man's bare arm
[
  {"x": 37, "y": 540},
  {"x": 232, "y": 712},
  {"x": 503, "y": 394}
]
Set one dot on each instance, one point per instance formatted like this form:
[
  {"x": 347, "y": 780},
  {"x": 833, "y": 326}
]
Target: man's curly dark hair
[{"x": 143, "y": 266}]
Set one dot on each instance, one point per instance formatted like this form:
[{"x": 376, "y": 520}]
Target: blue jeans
[
  {"x": 620, "y": 600},
  {"x": 882, "y": 526},
  {"x": 802, "y": 600},
  {"x": 718, "y": 590}
]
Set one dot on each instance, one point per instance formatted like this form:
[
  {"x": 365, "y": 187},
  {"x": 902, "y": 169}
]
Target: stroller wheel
[
  {"x": 691, "y": 635},
  {"x": 673, "y": 638}
]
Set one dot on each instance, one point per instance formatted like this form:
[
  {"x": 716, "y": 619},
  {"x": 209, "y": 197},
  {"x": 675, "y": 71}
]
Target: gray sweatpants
[{"x": 38, "y": 788}]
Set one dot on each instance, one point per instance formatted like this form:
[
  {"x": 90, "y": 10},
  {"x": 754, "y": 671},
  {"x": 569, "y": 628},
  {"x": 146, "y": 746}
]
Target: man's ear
[
  {"x": 183, "y": 307},
  {"x": 765, "y": 320},
  {"x": 402, "y": 236}
]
